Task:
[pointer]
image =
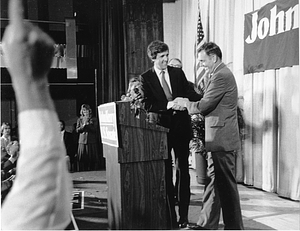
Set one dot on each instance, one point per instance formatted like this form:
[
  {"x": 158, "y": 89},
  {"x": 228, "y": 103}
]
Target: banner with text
[
  {"x": 108, "y": 124},
  {"x": 271, "y": 36}
]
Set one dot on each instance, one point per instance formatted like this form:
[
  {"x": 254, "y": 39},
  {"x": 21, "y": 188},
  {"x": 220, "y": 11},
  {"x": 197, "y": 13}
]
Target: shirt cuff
[{"x": 170, "y": 105}]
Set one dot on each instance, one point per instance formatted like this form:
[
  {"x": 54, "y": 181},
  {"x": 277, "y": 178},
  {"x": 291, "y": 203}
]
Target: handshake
[{"x": 178, "y": 104}]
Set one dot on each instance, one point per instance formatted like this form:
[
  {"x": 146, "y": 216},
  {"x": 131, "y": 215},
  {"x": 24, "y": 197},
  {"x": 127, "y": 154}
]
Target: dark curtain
[
  {"x": 110, "y": 80},
  {"x": 125, "y": 29}
]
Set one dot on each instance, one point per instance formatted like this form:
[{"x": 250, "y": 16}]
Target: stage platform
[{"x": 261, "y": 210}]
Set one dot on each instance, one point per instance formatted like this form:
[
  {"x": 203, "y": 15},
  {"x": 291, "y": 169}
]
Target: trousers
[
  {"x": 210, "y": 212},
  {"x": 226, "y": 187}
]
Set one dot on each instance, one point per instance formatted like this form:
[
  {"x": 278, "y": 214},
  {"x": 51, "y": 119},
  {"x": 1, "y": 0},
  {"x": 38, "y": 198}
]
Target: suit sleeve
[
  {"x": 192, "y": 95},
  {"x": 69, "y": 144},
  {"x": 186, "y": 88},
  {"x": 79, "y": 126},
  {"x": 211, "y": 98}
]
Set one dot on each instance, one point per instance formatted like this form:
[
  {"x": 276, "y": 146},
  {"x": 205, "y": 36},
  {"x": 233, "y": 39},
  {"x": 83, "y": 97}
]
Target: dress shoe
[
  {"x": 195, "y": 227},
  {"x": 182, "y": 225}
]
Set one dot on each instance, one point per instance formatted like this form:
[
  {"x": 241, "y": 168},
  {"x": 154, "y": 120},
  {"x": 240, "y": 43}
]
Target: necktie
[{"x": 166, "y": 87}]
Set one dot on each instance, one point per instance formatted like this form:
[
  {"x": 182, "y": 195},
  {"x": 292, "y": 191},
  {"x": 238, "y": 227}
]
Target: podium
[{"x": 135, "y": 151}]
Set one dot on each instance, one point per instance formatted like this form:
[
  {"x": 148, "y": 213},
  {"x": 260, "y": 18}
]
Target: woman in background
[
  {"x": 5, "y": 138},
  {"x": 87, "y": 142}
]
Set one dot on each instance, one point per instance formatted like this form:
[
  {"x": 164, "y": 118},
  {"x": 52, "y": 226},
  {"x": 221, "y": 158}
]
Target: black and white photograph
[{"x": 150, "y": 115}]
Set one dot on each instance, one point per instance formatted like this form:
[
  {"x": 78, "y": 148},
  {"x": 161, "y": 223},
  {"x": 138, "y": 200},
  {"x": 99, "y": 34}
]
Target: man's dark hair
[
  {"x": 156, "y": 47},
  {"x": 211, "y": 48}
]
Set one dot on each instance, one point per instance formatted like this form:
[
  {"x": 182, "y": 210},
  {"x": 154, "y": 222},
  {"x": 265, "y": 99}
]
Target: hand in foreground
[
  {"x": 28, "y": 51},
  {"x": 182, "y": 102}
]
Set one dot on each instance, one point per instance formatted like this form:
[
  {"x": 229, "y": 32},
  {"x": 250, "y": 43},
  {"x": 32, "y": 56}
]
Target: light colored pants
[{"x": 211, "y": 208}]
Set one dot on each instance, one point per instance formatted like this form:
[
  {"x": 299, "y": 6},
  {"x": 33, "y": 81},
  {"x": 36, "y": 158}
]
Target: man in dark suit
[
  {"x": 219, "y": 106},
  {"x": 161, "y": 85},
  {"x": 67, "y": 138}
]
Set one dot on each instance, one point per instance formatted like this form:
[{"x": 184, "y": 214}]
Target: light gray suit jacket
[{"x": 219, "y": 106}]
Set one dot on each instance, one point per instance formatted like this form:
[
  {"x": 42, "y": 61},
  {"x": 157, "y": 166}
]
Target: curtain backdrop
[
  {"x": 270, "y": 159},
  {"x": 110, "y": 77},
  {"x": 180, "y": 27}
]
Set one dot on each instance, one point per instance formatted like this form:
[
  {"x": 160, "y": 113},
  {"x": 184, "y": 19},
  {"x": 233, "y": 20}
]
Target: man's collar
[
  {"x": 216, "y": 68},
  {"x": 158, "y": 71}
]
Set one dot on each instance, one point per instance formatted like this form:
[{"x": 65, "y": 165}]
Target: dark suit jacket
[
  {"x": 156, "y": 101},
  {"x": 69, "y": 144},
  {"x": 219, "y": 106}
]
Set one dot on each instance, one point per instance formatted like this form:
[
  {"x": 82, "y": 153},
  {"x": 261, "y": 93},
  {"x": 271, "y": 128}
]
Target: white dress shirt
[
  {"x": 41, "y": 194},
  {"x": 62, "y": 135},
  {"x": 167, "y": 76}
]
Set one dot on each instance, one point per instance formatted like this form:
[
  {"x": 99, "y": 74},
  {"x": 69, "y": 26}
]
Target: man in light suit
[
  {"x": 219, "y": 106},
  {"x": 161, "y": 85}
]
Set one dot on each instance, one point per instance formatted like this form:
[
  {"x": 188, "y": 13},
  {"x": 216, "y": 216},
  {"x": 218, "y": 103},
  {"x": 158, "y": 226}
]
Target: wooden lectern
[{"x": 135, "y": 151}]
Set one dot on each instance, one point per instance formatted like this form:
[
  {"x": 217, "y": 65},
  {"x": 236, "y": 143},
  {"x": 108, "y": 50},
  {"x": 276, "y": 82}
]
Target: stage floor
[{"x": 261, "y": 210}]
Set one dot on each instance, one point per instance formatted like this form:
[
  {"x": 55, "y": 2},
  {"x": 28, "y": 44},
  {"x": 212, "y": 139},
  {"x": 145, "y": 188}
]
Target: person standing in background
[
  {"x": 75, "y": 137},
  {"x": 87, "y": 142},
  {"x": 175, "y": 62},
  {"x": 67, "y": 138},
  {"x": 219, "y": 106},
  {"x": 42, "y": 190},
  {"x": 161, "y": 84}
]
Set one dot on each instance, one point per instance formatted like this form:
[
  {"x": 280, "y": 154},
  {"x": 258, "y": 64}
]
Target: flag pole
[{"x": 199, "y": 71}]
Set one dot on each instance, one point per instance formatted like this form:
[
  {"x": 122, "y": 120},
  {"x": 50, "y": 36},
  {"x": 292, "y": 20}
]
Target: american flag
[
  {"x": 199, "y": 71},
  {"x": 200, "y": 33}
]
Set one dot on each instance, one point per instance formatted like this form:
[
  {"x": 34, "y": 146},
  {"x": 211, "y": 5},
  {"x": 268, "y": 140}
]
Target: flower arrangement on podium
[{"x": 135, "y": 95}]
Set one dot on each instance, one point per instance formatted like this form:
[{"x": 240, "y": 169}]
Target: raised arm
[
  {"x": 41, "y": 194},
  {"x": 28, "y": 53}
]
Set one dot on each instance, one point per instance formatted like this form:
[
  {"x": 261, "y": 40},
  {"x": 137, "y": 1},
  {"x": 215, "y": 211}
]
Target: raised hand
[
  {"x": 28, "y": 51},
  {"x": 28, "y": 54}
]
